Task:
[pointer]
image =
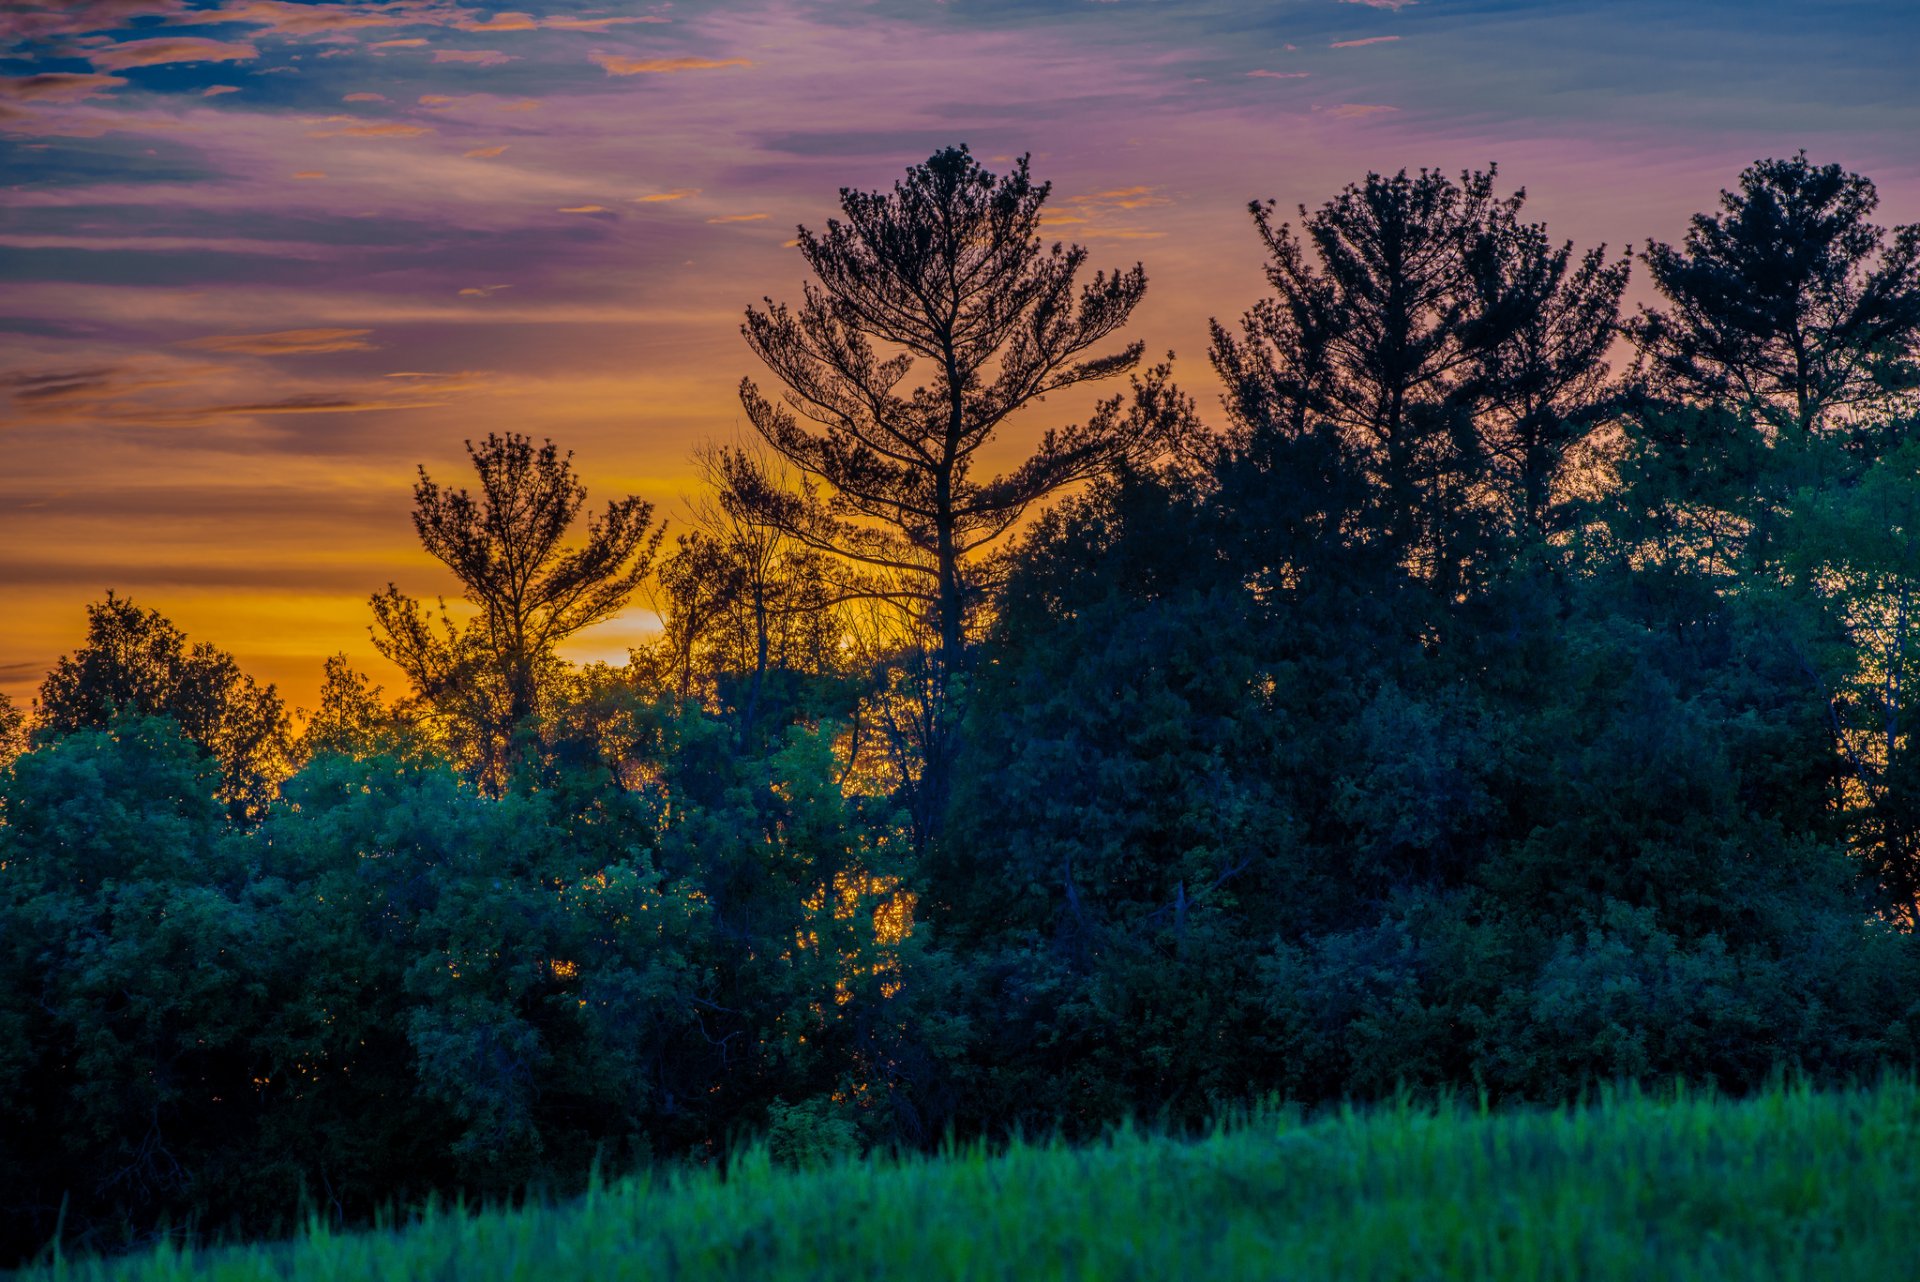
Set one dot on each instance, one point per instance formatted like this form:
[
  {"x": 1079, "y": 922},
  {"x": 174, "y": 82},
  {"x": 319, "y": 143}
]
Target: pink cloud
[
  {"x": 475, "y": 57},
  {"x": 166, "y": 49},
  {"x": 365, "y": 97},
  {"x": 616, "y": 65},
  {"x": 1359, "y": 110},
  {"x": 1355, "y": 44},
  {"x": 1395, "y": 5},
  {"x": 285, "y": 342},
  {"x": 1280, "y": 75},
  {"x": 57, "y": 86}
]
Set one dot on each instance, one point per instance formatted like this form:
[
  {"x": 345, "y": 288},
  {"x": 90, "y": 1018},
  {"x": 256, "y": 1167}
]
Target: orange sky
[{"x": 263, "y": 258}]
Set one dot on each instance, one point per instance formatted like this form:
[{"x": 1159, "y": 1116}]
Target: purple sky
[{"x": 261, "y": 258}]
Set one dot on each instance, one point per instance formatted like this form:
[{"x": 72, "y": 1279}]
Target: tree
[
  {"x": 136, "y": 663},
  {"x": 1539, "y": 379},
  {"x": 1788, "y": 305},
  {"x": 1377, "y": 343},
  {"x": 947, "y": 273},
  {"x": 505, "y": 548},
  {"x": 13, "y": 731}
]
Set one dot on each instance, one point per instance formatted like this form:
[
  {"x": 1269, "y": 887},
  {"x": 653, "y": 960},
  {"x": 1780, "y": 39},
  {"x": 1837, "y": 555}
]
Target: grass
[{"x": 1793, "y": 1183}]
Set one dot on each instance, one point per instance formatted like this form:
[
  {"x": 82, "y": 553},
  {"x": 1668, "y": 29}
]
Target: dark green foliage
[{"x": 137, "y": 664}]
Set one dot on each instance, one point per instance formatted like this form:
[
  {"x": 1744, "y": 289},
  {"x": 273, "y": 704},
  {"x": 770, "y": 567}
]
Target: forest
[{"x": 1502, "y": 693}]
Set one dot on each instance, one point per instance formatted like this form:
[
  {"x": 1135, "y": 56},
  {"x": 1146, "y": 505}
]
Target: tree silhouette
[
  {"x": 1374, "y": 336},
  {"x": 136, "y": 663},
  {"x": 946, "y": 274},
  {"x": 1788, "y": 304},
  {"x": 505, "y": 547}
]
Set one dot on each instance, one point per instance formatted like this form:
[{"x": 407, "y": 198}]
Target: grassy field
[{"x": 1792, "y": 1184}]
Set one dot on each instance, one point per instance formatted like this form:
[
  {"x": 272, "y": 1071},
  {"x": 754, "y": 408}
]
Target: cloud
[
  {"x": 482, "y": 291},
  {"x": 310, "y": 175},
  {"x": 166, "y": 49},
  {"x": 502, "y": 22},
  {"x": 737, "y": 218},
  {"x": 1359, "y": 110},
  {"x": 475, "y": 57},
  {"x": 214, "y": 91},
  {"x": 57, "y": 86},
  {"x": 1123, "y": 198},
  {"x": 1280, "y": 75},
  {"x": 678, "y": 193},
  {"x": 597, "y": 24},
  {"x": 384, "y": 129},
  {"x": 591, "y": 211},
  {"x": 484, "y": 153},
  {"x": 1395, "y": 5},
  {"x": 1355, "y": 44},
  {"x": 365, "y": 97},
  {"x": 285, "y": 342},
  {"x": 615, "y": 65},
  {"x": 31, "y": 389},
  {"x": 411, "y": 42}
]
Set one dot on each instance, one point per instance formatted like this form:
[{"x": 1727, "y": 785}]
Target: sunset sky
[{"x": 260, "y": 259}]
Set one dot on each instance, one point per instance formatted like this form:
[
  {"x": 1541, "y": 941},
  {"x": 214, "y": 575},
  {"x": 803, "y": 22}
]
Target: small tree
[
  {"x": 1788, "y": 304},
  {"x": 136, "y": 663},
  {"x": 946, "y": 274},
  {"x": 505, "y": 547}
]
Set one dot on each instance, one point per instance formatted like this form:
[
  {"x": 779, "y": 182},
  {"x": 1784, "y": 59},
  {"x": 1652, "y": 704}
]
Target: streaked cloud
[
  {"x": 1368, "y": 40},
  {"x": 484, "y": 153},
  {"x": 364, "y": 97},
  {"x": 1395, "y": 5},
  {"x": 383, "y": 129},
  {"x": 1280, "y": 75},
  {"x": 1359, "y": 110},
  {"x": 409, "y": 42},
  {"x": 617, "y": 65},
  {"x": 214, "y": 91},
  {"x": 737, "y": 218},
  {"x": 57, "y": 86},
  {"x": 168, "y": 49},
  {"x": 678, "y": 193},
  {"x": 310, "y": 175},
  {"x": 284, "y": 342},
  {"x": 475, "y": 57}
]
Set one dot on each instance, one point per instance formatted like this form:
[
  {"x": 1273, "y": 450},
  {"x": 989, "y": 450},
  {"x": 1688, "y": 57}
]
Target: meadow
[{"x": 1789, "y": 1183}]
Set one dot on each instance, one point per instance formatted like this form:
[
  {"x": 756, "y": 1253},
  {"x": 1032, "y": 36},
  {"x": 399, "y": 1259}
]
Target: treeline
[{"x": 1507, "y": 695}]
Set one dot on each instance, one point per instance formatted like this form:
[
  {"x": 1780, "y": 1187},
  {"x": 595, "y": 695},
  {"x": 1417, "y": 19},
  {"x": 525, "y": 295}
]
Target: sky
[{"x": 259, "y": 260}]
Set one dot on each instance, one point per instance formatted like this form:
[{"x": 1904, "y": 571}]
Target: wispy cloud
[
  {"x": 678, "y": 193},
  {"x": 1395, "y": 5},
  {"x": 476, "y": 57},
  {"x": 340, "y": 128},
  {"x": 1359, "y": 110},
  {"x": 365, "y": 97},
  {"x": 484, "y": 153},
  {"x": 1280, "y": 75},
  {"x": 1369, "y": 40},
  {"x": 616, "y": 65},
  {"x": 166, "y": 49},
  {"x": 737, "y": 218},
  {"x": 285, "y": 342},
  {"x": 57, "y": 86},
  {"x": 214, "y": 91}
]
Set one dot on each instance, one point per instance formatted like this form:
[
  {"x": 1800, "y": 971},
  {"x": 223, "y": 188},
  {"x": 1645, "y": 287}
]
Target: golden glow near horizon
[{"x": 261, "y": 261}]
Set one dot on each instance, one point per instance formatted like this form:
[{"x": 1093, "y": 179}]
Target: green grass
[{"x": 1790, "y": 1184}]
